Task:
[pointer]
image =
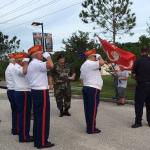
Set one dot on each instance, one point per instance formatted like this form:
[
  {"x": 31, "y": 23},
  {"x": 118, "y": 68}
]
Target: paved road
[{"x": 68, "y": 133}]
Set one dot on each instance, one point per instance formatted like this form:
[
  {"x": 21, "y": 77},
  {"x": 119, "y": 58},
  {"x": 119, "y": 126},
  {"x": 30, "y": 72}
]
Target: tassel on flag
[{"x": 117, "y": 55}]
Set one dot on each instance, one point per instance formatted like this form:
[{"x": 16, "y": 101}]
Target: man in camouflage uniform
[{"x": 62, "y": 74}]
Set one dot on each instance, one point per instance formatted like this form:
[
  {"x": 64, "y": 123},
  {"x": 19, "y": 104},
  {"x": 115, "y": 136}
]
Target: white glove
[
  {"x": 98, "y": 56},
  {"x": 26, "y": 59},
  {"x": 46, "y": 55}
]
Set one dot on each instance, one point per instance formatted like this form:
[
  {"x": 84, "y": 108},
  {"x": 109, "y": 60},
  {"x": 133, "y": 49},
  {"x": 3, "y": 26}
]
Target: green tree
[
  {"x": 75, "y": 46},
  {"x": 113, "y": 16},
  {"x": 144, "y": 41},
  {"x": 131, "y": 47},
  {"x": 8, "y": 45},
  {"x": 78, "y": 42}
]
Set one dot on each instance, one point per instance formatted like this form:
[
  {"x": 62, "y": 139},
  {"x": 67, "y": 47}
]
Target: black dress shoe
[
  {"x": 31, "y": 139},
  {"x": 96, "y": 131},
  {"x": 66, "y": 113},
  {"x": 14, "y": 133},
  {"x": 47, "y": 145},
  {"x": 136, "y": 125}
]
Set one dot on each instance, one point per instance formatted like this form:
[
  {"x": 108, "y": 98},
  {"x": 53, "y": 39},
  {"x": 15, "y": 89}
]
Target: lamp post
[{"x": 40, "y": 24}]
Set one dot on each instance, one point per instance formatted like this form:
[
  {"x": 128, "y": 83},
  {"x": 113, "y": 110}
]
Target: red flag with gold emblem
[{"x": 117, "y": 55}]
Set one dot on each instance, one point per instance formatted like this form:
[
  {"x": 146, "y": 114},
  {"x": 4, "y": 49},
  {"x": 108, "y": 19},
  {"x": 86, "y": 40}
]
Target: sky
[{"x": 60, "y": 18}]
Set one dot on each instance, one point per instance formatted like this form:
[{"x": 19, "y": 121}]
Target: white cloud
[{"x": 61, "y": 24}]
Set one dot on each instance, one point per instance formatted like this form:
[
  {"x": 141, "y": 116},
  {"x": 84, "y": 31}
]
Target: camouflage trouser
[{"x": 63, "y": 98}]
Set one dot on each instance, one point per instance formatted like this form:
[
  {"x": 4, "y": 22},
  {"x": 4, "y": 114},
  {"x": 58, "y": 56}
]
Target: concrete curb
[{"x": 131, "y": 102}]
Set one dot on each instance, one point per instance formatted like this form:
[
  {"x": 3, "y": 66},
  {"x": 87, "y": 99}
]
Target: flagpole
[{"x": 113, "y": 69}]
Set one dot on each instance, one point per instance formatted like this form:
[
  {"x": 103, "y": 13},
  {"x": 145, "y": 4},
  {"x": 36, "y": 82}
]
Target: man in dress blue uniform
[
  {"x": 22, "y": 96},
  {"x": 141, "y": 73},
  {"x": 10, "y": 93},
  {"x": 37, "y": 76},
  {"x": 92, "y": 84}
]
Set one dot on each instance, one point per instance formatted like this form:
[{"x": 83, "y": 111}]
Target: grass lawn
[{"x": 108, "y": 88}]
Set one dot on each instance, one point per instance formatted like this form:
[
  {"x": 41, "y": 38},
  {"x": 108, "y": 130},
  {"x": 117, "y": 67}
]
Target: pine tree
[{"x": 113, "y": 16}]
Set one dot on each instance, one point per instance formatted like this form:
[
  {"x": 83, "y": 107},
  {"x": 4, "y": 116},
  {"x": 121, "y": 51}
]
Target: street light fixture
[{"x": 40, "y": 24}]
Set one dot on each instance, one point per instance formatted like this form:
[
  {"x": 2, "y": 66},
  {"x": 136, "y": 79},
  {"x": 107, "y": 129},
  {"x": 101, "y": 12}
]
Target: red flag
[{"x": 117, "y": 55}]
